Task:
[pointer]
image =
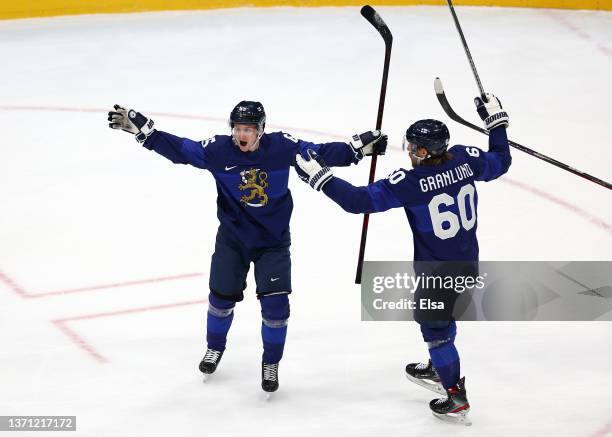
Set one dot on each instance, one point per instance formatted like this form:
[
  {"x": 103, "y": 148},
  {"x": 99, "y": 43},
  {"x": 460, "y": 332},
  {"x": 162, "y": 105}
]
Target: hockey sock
[
  {"x": 443, "y": 353},
  {"x": 219, "y": 320},
  {"x": 275, "y": 316},
  {"x": 445, "y": 360}
]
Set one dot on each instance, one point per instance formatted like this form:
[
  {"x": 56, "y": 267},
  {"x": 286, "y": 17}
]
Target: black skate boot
[
  {"x": 425, "y": 376},
  {"x": 269, "y": 377},
  {"x": 209, "y": 363},
  {"x": 455, "y": 407}
]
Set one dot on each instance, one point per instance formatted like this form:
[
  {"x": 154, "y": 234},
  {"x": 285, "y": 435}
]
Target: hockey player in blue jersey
[
  {"x": 440, "y": 199},
  {"x": 254, "y": 204}
]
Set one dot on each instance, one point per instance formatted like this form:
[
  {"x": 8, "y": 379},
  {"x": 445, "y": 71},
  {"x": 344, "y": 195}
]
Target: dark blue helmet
[
  {"x": 432, "y": 135},
  {"x": 249, "y": 113}
]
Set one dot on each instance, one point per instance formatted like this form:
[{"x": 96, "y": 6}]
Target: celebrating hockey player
[
  {"x": 251, "y": 170},
  {"x": 440, "y": 200}
]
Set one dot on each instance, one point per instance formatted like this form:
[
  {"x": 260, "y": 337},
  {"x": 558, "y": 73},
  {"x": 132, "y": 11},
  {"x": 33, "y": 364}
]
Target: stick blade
[
  {"x": 370, "y": 14},
  {"x": 443, "y": 100}
]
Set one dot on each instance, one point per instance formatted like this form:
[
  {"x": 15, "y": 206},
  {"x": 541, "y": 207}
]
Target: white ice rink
[{"x": 105, "y": 247}]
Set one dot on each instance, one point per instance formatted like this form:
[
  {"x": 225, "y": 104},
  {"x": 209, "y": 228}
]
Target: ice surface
[{"x": 128, "y": 236}]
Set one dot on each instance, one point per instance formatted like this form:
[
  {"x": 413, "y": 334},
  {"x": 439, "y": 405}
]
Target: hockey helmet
[
  {"x": 248, "y": 112},
  {"x": 432, "y": 135}
]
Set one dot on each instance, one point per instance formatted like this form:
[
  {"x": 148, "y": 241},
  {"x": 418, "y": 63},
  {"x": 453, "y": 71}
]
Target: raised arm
[
  {"x": 177, "y": 150},
  {"x": 496, "y": 161},
  {"x": 376, "y": 197},
  {"x": 339, "y": 154}
]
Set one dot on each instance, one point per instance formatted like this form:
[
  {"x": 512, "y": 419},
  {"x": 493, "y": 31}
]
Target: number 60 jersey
[{"x": 440, "y": 200}]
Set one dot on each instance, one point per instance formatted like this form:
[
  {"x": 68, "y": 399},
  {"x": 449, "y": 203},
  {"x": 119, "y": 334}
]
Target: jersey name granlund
[{"x": 441, "y": 180}]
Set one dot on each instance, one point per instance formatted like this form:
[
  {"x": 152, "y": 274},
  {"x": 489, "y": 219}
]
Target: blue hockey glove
[
  {"x": 491, "y": 112},
  {"x": 367, "y": 143},
  {"x": 313, "y": 169},
  {"x": 131, "y": 121}
]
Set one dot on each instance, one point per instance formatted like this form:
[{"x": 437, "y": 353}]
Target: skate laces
[
  {"x": 270, "y": 371},
  {"x": 442, "y": 401},
  {"x": 211, "y": 356},
  {"x": 421, "y": 366}
]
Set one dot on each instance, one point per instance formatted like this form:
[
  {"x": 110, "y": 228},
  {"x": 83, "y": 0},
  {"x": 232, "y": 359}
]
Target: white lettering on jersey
[
  {"x": 446, "y": 224},
  {"x": 423, "y": 186},
  {"x": 208, "y": 141},
  {"x": 473, "y": 151},
  {"x": 289, "y": 137},
  {"x": 396, "y": 176},
  {"x": 446, "y": 178}
]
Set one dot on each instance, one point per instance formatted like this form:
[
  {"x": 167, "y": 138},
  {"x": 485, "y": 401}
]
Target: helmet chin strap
[
  {"x": 256, "y": 143},
  {"x": 406, "y": 145},
  {"x": 417, "y": 159}
]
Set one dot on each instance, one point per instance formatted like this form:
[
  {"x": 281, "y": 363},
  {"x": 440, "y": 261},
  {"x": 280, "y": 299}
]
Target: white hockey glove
[
  {"x": 491, "y": 112},
  {"x": 367, "y": 143},
  {"x": 132, "y": 122},
  {"x": 313, "y": 170}
]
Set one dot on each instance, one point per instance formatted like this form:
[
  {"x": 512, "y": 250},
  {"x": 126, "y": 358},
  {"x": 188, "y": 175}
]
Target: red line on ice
[
  {"x": 577, "y": 31},
  {"x": 606, "y": 430},
  {"x": 79, "y": 341},
  {"x": 113, "y": 285},
  {"x": 16, "y": 288},
  {"x": 22, "y": 292},
  {"x": 576, "y": 210},
  {"x": 131, "y": 310},
  {"x": 160, "y": 114},
  {"x": 573, "y": 208},
  {"x": 61, "y": 324}
]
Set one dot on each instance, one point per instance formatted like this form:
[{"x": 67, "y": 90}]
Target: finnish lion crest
[{"x": 256, "y": 195}]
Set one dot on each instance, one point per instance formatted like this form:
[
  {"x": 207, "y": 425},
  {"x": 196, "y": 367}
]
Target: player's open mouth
[{"x": 243, "y": 143}]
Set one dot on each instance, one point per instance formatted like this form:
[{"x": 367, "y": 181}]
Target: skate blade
[
  {"x": 432, "y": 386},
  {"x": 206, "y": 377},
  {"x": 268, "y": 396},
  {"x": 454, "y": 418}
]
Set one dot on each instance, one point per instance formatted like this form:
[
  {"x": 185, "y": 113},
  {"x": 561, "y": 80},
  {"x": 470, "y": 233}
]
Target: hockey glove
[
  {"x": 132, "y": 122},
  {"x": 313, "y": 169},
  {"x": 367, "y": 143},
  {"x": 491, "y": 112}
]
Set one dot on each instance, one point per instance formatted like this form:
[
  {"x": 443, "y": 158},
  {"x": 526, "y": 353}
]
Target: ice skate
[
  {"x": 269, "y": 378},
  {"x": 425, "y": 376},
  {"x": 209, "y": 363},
  {"x": 454, "y": 407}
]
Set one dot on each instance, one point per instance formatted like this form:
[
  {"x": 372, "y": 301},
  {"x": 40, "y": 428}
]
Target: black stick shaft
[
  {"x": 453, "y": 115},
  {"x": 372, "y": 16},
  {"x": 467, "y": 50},
  {"x": 456, "y": 117}
]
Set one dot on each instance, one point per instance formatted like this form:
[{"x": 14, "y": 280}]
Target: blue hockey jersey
[
  {"x": 253, "y": 199},
  {"x": 440, "y": 201}
]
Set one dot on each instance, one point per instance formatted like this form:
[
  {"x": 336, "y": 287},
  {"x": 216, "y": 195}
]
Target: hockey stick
[
  {"x": 454, "y": 116},
  {"x": 374, "y": 19},
  {"x": 467, "y": 51}
]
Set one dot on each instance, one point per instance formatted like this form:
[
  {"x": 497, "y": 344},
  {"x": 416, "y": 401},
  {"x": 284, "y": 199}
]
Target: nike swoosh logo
[
  {"x": 229, "y": 168},
  {"x": 274, "y": 279}
]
